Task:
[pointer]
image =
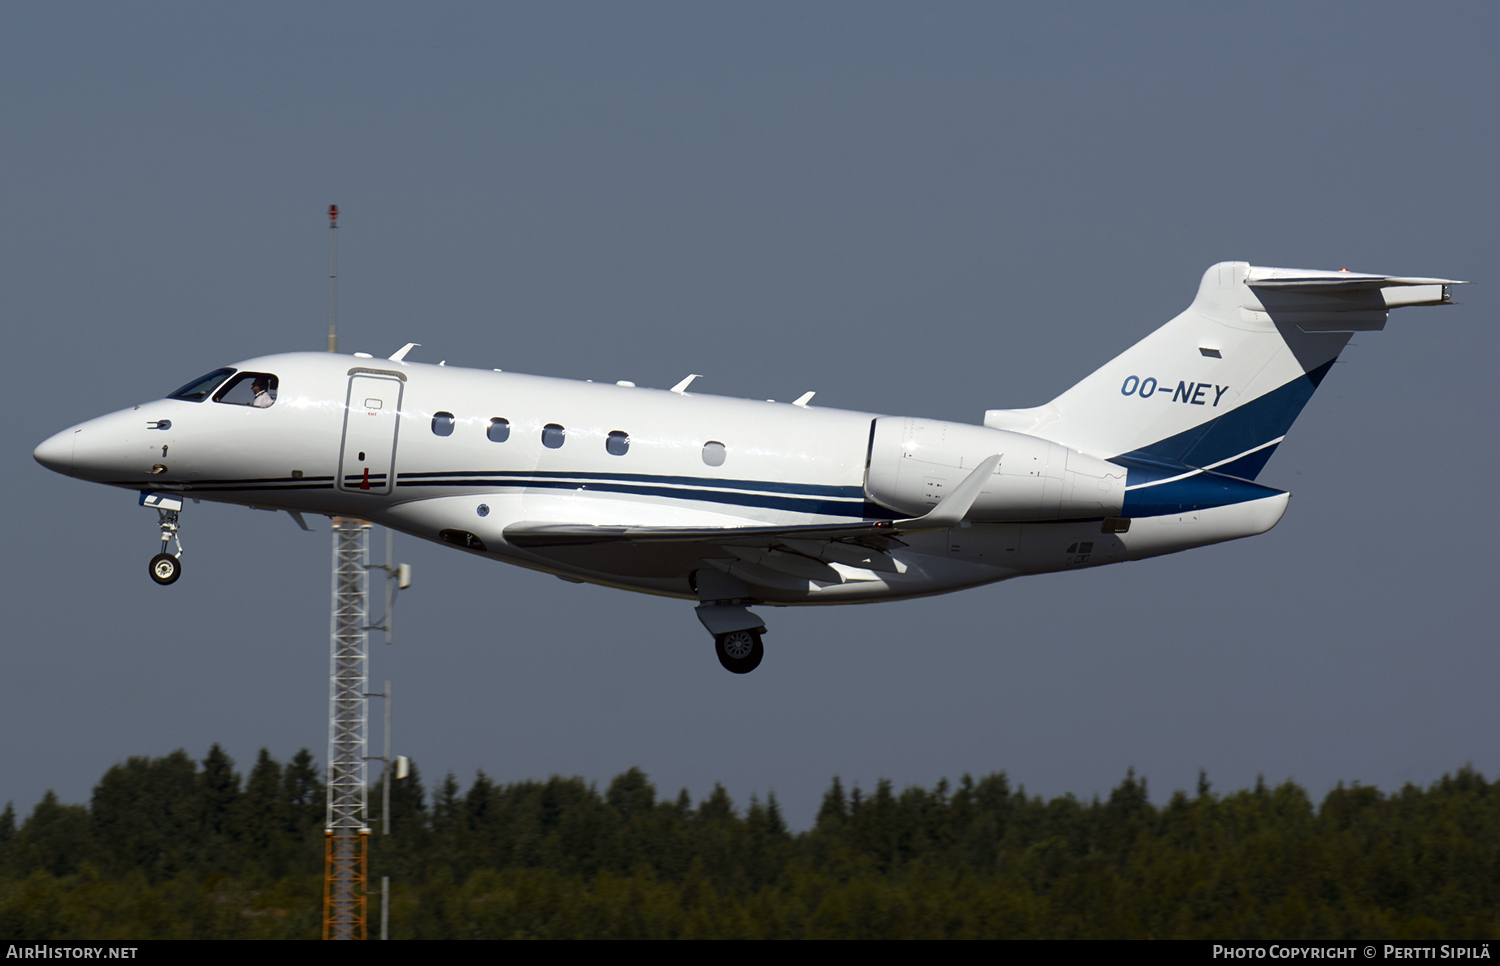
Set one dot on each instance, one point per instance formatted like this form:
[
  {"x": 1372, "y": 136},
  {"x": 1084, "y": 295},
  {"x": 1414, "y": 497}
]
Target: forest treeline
[{"x": 172, "y": 847}]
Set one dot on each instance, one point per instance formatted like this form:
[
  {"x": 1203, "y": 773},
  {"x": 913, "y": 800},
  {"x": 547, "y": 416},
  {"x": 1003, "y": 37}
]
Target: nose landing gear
[{"x": 165, "y": 567}]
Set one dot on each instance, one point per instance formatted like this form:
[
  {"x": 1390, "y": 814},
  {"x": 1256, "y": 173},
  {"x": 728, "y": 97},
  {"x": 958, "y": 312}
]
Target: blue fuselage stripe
[
  {"x": 812, "y": 498},
  {"x": 764, "y": 486},
  {"x": 857, "y": 510}
]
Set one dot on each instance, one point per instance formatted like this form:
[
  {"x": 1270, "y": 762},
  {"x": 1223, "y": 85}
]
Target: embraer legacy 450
[{"x": 735, "y": 502}]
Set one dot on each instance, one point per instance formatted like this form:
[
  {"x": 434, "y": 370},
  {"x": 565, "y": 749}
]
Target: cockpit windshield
[
  {"x": 199, "y": 389},
  {"x": 256, "y": 389}
]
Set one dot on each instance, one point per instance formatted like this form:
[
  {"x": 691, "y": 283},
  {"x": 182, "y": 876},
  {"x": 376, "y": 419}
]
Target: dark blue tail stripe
[
  {"x": 1247, "y": 467},
  {"x": 1197, "y": 492},
  {"x": 1244, "y": 428}
]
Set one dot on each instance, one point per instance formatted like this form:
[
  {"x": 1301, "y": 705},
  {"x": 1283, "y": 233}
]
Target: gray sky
[{"x": 911, "y": 209}]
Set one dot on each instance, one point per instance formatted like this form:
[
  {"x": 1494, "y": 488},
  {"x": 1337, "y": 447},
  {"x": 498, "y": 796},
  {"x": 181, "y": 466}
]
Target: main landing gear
[
  {"x": 165, "y": 567},
  {"x": 723, "y": 608},
  {"x": 739, "y": 651},
  {"x": 736, "y": 634}
]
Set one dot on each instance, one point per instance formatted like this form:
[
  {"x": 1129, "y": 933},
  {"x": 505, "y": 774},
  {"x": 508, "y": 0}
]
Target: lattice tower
[{"x": 344, "y": 887}]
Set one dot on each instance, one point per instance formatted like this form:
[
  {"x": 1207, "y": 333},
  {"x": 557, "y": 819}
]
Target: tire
[
  {"x": 739, "y": 651},
  {"x": 165, "y": 568}
]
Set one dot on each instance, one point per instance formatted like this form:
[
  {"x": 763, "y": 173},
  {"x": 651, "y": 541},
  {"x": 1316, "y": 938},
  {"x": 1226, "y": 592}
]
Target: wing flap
[{"x": 534, "y": 535}]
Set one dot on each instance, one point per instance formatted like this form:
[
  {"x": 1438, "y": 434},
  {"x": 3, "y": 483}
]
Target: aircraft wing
[
  {"x": 949, "y": 512},
  {"x": 531, "y": 535},
  {"x": 799, "y": 551},
  {"x": 796, "y": 553}
]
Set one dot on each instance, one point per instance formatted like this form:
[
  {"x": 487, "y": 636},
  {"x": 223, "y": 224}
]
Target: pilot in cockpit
[{"x": 262, "y": 393}]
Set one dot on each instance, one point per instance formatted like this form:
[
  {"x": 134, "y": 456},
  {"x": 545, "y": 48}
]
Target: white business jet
[{"x": 735, "y": 502}]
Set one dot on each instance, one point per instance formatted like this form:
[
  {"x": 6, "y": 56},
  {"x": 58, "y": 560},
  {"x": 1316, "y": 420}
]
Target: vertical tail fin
[{"x": 1219, "y": 386}]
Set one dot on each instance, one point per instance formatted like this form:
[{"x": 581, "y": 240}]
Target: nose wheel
[
  {"x": 167, "y": 567},
  {"x": 739, "y": 651}
]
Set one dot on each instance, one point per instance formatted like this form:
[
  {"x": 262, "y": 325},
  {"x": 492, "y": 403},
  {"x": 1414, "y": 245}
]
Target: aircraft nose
[{"x": 56, "y": 452}]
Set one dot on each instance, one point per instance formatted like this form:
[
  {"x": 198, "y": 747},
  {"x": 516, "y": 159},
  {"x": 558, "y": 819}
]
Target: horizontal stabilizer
[
  {"x": 1345, "y": 282},
  {"x": 1391, "y": 291}
]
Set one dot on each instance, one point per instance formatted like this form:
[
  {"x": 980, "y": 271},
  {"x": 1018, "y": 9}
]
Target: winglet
[
  {"x": 951, "y": 509},
  {"x": 400, "y": 353},
  {"x": 681, "y": 387},
  {"x": 802, "y": 400}
]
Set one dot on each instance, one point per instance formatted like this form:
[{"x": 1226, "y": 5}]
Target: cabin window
[
  {"x": 499, "y": 430},
  {"x": 257, "y": 389},
  {"x": 198, "y": 389},
  {"x": 713, "y": 453},
  {"x": 442, "y": 424},
  {"x": 552, "y": 436},
  {"x": 618, "y": 443}
]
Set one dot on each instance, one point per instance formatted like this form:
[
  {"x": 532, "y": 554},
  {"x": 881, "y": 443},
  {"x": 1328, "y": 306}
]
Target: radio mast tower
[
  {"x": 347, "y": 831},
  {"x": 347, "y": 834}
]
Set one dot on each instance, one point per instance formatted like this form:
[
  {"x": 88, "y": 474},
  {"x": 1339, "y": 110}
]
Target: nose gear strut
[{"x": 165, "y": 567}]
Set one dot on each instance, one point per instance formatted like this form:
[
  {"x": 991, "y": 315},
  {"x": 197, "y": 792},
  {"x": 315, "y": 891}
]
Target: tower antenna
[
  {"x": 347, "y": 839},
  {"x": 333, "y": 278}
]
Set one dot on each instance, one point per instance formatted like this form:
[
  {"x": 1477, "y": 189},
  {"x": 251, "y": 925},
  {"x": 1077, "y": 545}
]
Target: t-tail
[{"x": 1211, "y": 393}]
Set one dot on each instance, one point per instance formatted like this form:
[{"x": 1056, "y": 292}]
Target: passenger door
[{"x": 367, "y": 453}]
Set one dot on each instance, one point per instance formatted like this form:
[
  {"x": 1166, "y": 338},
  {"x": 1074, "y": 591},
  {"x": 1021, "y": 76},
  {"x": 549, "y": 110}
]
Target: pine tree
[
  {"x": 302, "y": 795},
  {"x": 7, "y": 838},
  {"x": 219, "y": 796},
  {"x": 54, "y": 838},
  {"x": 717, "y": 807},
  {"x": 221, "y": 791},
  {"x": 145, "y": 815},
  {"x": 835, "y": 808},
  {"x": 631, "y": 794},
  {"x": 261, "y": 821}
]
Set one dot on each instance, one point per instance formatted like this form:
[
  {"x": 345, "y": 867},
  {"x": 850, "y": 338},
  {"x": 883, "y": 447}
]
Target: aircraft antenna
[{"x": 333, "y": 278}]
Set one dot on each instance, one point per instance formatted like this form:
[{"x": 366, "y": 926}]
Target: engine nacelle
[{"x": 913, "y": 463}]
